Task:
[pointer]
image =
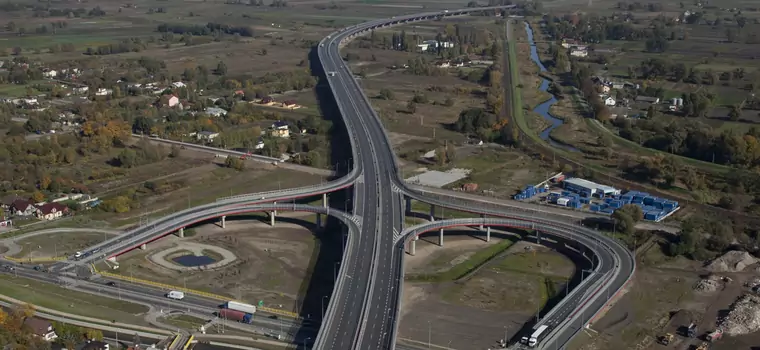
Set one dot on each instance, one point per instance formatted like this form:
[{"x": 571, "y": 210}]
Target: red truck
[{"x": 235, "y": 315}]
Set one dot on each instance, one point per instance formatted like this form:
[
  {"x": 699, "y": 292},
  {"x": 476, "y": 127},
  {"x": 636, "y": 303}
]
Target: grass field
[
  {"x": 185, "y": 322},
  {"x": 462, "y": 269},
  {"x": 70, "y": 301}
]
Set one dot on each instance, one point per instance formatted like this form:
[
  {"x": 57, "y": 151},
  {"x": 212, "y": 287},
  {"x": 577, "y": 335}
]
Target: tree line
[{"x": 208, "y": 29}]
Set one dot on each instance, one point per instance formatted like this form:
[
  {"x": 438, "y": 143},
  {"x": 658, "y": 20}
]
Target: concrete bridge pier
[
  {"x": 224, "y": 219},
  {"x": 440, "y": 238},
  {"x": 482, "y": 216},
  {"x": 272, "y": 215},
  {"x": 488, "y": 234},
  {"x": 408, "y": 203},
  {"x": 432, "y": 213},
  {"x": 413, "y": 246},
  {"x": 181, "y": 232},
  {"x": 144, "y": 246}
]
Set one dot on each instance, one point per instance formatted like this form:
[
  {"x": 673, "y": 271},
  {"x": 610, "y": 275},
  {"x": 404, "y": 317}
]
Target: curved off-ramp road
[{"x": 14, "y": 248}]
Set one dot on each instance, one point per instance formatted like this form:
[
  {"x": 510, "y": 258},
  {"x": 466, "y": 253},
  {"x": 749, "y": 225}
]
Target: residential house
[
  {"x": 267, "y": 101},
  {"x": 95, "y": 345},
  {"x": 290, "y": 104},
  {"x": 434, "y": 44},
  {"x": 444, "y": 64},
  {"x": 609, "y": 101},
  {"x": 51, "y": 211},
  {"x": 605, "y": 88},
  {"x": 103, "y": 92},
  {"x": 568, "y": 43},
  {"x": 578, "y": 53},
  {"x": 617, "y": 85},
  {"x": 23, "y": 207},
  {"x": 49, "y": 73},
  {"x": 80, "y": 90},
  {"x": 259, "y": 144},
  {"x": 170, "y": 101},
  {"x": 280, "y": 129},
  {"x": 134, "y": 85},
  {"x": 207, "y": 136},
  {"x": 647, "y": 99},
  {"x": 215, "y": 111},
  {"x": 178, "y": 84},
  {"x": 41, "y": 328}
]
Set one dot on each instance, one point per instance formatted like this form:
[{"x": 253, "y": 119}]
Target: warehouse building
[{"x": 589, "y": 188}]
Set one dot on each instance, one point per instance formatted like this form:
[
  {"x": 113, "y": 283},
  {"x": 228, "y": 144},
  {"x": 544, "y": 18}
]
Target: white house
[
  {"x": 259, "y": 144},
  {"x": 103, "y": 92},
  {"x": 428, "y": 44},
  {"x": 51, "y": 73},
  {"x": 215, "y": 111},
  {"x": 609, "y": 101},
  {"x": 207, "y": 135},
  {"x": 578, "y": 53},
  {"x": 179, "y": 84},
  {"x": 80, "y": 90}
]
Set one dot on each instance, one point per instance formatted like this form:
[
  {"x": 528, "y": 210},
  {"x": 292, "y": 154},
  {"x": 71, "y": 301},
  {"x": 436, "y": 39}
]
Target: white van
[{"x": 175, "y": 295}]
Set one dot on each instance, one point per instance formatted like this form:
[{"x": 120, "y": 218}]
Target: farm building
[{"x": 591, "y": 188}]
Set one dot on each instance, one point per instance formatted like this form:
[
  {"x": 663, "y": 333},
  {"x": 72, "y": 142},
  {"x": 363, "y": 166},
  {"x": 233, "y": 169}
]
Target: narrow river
[{"x": 543, "y": 108}]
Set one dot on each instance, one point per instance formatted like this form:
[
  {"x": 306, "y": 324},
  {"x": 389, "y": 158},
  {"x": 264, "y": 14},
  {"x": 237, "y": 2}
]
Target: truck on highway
[
  {"x": 234, "y": 305},
  {"x": 176, "y": 295},
  {"x": 536, "y": 337},
  {"x": 238, "y": 316}
]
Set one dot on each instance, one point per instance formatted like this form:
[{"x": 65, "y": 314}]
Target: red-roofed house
[
  {"x": 51, "y": 211},
  {"x": 290, "y": 104},
  {"x": 268, "y": 100},
  {"x": 22, "y": 207},
  {"x": 41, "y": 328}
]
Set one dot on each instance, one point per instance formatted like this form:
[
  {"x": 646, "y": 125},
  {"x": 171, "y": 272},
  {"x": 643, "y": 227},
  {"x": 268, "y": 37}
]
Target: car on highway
[
  {"x": 332, "y": 74},
  {"x": 111, "y": 284}
]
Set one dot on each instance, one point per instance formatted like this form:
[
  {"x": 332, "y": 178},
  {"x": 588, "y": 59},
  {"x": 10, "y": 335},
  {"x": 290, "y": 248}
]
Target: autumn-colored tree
[
  {"x": 45, "y": 182},
  {"x": 3, "y": 317},
  {"x": 37, "y": 197}
]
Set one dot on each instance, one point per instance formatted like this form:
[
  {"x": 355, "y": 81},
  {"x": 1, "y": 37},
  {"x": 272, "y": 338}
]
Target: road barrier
[
  {"x": 189, "y": 341},
  {"x": 174, "y": 342},
  {"x": 190, "y": 291}
]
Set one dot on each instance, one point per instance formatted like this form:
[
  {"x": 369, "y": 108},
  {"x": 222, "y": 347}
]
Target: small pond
[{"x": 193, "y": 260}]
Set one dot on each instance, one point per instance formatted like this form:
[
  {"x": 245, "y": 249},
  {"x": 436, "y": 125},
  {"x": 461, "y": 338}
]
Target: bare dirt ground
[
  {"x": 662, "y": 299},
  {"x": 273, "y": 262},
  {"x": 58, "y": 244},
  {"x": 477, "y": 311}
]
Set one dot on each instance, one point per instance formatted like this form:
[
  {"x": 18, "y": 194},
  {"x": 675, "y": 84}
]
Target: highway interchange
[{"x": 363, "y": 308}]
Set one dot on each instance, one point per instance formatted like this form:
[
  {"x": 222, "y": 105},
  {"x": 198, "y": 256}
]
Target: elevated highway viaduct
[{"x": 363, "y": 309}]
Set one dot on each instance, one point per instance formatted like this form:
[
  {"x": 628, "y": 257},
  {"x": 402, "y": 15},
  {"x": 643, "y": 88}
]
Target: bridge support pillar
[
  {"x": 319, "y": 221},
  {"x": 274, "y": 211},
  {"x": 144, "y": 246},
  {"x": 181, "y": 232},
  {"x": 272, "y": 215},
  {"x": 488, "y": 234},
  {"x": 413, "y": 247},
  {"x": 482, "y": 216},
  {"x": 408, "y": 204},
  {"x": 440, "y": 238},
  {"x": 432, "y": 213},
  {"x": 224, "y": 219}
]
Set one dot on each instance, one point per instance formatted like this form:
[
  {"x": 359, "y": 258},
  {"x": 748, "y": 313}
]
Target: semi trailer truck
[{"x": 237, "y": 316}]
